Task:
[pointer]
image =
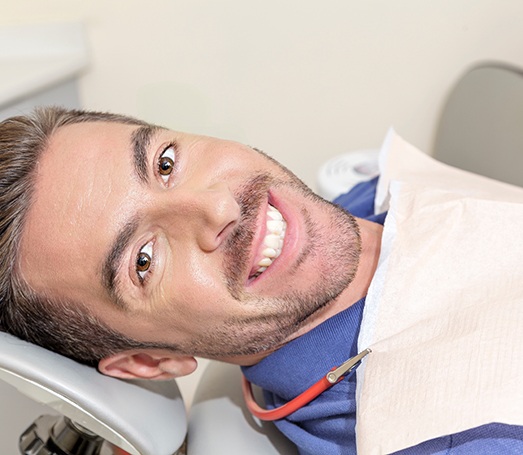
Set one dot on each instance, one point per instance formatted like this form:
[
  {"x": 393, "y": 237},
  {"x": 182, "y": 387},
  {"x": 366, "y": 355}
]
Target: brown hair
[{"x": 64, "y": 327}]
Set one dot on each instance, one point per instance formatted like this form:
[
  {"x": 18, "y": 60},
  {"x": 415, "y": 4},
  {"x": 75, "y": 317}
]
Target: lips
[{"x": 272, "y": 243}]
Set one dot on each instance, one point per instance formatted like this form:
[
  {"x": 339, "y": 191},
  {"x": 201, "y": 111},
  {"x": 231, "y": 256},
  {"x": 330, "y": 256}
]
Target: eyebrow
[
  {"x": 140, "y": 142},
  {"x": 113, "y": 261}
]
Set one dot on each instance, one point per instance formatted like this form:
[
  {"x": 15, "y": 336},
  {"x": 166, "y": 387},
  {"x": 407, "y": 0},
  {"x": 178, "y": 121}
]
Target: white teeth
[
  {"x": 273, "y": 214},
  {"x": 269, "y": 252},
  {"x": 265, "y": 262},
  {"x": 273, "y": 241},
  {"x": 275, "y": 226}
]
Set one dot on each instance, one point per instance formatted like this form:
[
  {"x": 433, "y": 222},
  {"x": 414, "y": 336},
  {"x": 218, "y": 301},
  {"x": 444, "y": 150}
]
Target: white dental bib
[{"x": 444, "y": 313}]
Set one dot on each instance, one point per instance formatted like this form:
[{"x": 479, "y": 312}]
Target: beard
[{"x": 268, "y": 322}]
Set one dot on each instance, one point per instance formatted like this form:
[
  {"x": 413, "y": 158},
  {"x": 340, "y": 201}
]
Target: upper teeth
[{"x": 273, "y": 241}]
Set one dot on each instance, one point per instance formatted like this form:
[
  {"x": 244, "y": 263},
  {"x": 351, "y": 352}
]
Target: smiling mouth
[{"x": 273, "y": 241}]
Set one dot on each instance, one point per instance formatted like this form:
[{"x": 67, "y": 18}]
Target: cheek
[
  {"x": 200, "y": 271},
  {"x": 196, "y": 283}
]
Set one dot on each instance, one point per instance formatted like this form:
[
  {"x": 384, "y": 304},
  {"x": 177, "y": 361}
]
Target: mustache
[{"x": 250, "y": 197}]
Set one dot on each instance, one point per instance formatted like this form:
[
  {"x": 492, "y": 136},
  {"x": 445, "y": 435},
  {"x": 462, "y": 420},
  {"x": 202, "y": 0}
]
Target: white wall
[{"x": 301, "y": 79}]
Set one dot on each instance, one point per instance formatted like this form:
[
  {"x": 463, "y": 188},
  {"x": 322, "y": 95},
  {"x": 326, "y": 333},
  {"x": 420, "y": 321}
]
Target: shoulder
[{"x": 487, "y": 439}]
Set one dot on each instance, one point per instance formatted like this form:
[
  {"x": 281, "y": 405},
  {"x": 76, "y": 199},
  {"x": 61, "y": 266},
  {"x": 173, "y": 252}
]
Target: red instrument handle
[{"x": 289, "y": 407}]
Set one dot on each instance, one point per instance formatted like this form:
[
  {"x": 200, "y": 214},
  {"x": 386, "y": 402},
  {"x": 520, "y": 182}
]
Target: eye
[
  {"x": 166, "y": 162},
  {"x": 144, "y": 261}
]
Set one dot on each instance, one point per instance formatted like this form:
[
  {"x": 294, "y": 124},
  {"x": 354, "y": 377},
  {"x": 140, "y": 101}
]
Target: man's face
[{"x": 173, "y": 238}]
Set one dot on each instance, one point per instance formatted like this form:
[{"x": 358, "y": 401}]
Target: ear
[{"x": 147, "y": 364}]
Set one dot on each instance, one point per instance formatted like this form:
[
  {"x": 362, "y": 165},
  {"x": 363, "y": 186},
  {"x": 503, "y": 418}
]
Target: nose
[{"x": 206, "y": 215}]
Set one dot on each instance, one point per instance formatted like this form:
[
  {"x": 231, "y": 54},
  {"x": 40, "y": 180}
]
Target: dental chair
[
  {"x": 480, "y": 125},
  {"x": 83, "y": 412}
]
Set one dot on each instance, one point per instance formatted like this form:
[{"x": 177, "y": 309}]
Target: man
[{"x": 137, "y": 248}]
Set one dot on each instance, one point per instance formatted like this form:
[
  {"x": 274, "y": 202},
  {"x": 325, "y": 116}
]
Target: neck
[{"x": 370, "y": 251}]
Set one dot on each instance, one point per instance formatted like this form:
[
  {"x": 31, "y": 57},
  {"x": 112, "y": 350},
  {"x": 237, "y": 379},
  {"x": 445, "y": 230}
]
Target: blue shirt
[{"x": 327, "y": 424}]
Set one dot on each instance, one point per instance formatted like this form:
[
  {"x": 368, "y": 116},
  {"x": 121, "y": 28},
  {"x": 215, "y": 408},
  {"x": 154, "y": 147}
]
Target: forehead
[{"x": 84, "y": 187}]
